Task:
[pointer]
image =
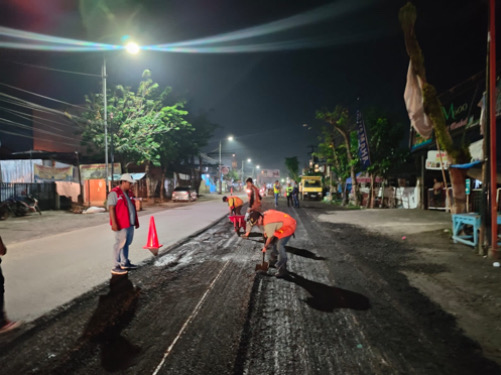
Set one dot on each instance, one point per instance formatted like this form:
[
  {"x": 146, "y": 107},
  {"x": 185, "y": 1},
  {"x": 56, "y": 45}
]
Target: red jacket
[
  {"x": 288, "y": 223},
  {"x": 122, "y": 209}
]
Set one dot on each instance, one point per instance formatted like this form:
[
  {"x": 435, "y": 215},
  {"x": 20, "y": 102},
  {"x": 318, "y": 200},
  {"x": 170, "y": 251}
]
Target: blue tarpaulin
[{"x": 467, "y": 165}]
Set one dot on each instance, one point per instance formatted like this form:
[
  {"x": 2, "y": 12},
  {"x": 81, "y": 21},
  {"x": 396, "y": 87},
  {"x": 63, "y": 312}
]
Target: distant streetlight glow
[
  {"x": 249, "y": 160},
  {"x": 132, "y": 48}
]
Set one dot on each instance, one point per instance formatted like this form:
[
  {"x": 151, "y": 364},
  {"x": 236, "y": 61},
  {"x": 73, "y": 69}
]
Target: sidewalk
[{"x": 48, "y": 271}]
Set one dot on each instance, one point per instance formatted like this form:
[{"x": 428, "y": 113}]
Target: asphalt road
[
  {"x": 58, "y": 256},
  {"x": 201, "y": 309}
]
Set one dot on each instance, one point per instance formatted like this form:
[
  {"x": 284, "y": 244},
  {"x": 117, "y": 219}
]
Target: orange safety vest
[
  {"x": 235, "y": 201},
  {"x": 288, "y": 223}
]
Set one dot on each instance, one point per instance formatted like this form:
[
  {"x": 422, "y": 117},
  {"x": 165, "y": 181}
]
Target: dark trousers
[
  {"x": 289, "y": 200},
  {"x": 236, "y": 210},
  {"x": 3, "y": 319}
]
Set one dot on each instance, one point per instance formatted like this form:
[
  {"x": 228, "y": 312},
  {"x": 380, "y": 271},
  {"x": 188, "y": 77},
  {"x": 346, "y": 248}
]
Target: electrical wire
[
  {"x": 40, "y": 95},
  {"x": 55, "y": 70}
]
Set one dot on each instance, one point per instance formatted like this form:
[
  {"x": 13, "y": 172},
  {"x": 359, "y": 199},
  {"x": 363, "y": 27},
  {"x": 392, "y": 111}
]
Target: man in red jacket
[
  {"x": 6, "y": 325},
  {"x": 278, "y": 228},
  {"x": 123, "y": 219}
]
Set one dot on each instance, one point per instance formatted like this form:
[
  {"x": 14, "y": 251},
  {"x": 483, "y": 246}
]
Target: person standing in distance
[
  {"x": 288, "y": 191},
  {"x": 123, "y": 220},
  {"x": 276, "y": 191},
  {"x": 254, "y": 203}
]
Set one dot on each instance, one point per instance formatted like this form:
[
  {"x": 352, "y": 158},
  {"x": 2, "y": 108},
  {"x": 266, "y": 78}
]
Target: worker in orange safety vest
[
  {"x": 278, "y": 228},
  {"x": 235, "y": 204}
]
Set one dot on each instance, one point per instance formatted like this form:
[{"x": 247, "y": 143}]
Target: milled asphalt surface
[
  {"x": 351, "y": 305},
  {"x": 73, "y": 255}
]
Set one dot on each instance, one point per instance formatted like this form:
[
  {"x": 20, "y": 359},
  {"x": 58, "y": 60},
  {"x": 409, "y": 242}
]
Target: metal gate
[{"x": 44, "y": 192}]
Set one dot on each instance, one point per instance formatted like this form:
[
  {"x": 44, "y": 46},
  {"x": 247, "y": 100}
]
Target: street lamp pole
[
  {"x": 242, "y": 173},
  {"x": 219, "y": 169},
  {"x": 229, "y": 138},
  {"x": 105, "y": 118}
]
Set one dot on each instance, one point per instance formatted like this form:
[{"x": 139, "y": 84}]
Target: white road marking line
[{"x": 188, "y": 321}]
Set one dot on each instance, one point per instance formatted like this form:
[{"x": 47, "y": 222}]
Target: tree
[
  {"x": 140, "y": 123},
  {"x": 457, "y": 153},
  {"x": 384, "y": 137},
  {"x": 292, "y": 165},
  {"x": 340, "y": 121},
  {"x": 333, "y": 150}
]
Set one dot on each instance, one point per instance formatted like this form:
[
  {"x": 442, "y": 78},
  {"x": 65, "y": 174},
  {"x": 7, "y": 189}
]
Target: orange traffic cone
[{"x": 152, "y": 244}]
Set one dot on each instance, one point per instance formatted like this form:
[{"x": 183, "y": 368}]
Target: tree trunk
[
  {"x": 349, "y": 158},
  {"x": 199, "y": 176},
  {"x": 162, "y": 184},
  {"x": 381, "y": 204},
  {"x": 433, "y": 107},
  {"x": 372, "y": 195},
  {"x": 345, "y": 196},
  {"x": 458, "y": 177},
  {"x": 148, "y": 179}
]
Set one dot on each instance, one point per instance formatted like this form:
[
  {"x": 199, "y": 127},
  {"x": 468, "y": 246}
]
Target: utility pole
[
  {"x": 219, "y": 169},
  {"x": 105, "y": 121},
  {"x": 492, "y": 120}
]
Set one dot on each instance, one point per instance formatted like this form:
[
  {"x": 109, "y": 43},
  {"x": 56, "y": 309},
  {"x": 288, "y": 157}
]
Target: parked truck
[{"x": 310, "y": 187}]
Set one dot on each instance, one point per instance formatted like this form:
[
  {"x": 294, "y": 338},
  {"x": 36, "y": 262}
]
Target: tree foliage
[
  {"x": 384, "y": 137},
  {"x": 139, "y": 123},
  {"x": 292, "y": 165},
  {"x": 340, "y": 121}
]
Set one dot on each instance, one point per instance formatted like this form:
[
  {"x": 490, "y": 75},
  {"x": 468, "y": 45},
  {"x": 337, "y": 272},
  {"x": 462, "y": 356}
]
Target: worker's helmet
[{"x": 254, "y": 217}]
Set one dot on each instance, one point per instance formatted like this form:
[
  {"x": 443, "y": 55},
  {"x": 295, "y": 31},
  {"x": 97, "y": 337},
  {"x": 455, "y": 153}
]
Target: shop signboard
[
  {"x": 436, "y": 159},
  {"x": 97, "y": 171}
]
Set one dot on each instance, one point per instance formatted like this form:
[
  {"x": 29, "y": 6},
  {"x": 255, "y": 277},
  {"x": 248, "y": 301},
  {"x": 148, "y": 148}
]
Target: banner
[
  {"x": 98, "y": 171},
  {"x": 363, "y": 145},
  {"x": 433, "y": 160},
  {"x": 275, "y": 173},
  {"x": 46, "y": 173},
  {"x": 413, "y": 97}
]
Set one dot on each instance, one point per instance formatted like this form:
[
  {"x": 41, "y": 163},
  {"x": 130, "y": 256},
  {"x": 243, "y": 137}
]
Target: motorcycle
[{"x": 19, "y": 206}]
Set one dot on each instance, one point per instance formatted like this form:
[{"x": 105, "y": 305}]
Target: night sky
[{"x": 262, "y": 98}]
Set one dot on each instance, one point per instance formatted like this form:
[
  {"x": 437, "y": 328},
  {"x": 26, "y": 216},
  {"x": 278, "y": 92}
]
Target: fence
[{"x": 44, "y": 192}]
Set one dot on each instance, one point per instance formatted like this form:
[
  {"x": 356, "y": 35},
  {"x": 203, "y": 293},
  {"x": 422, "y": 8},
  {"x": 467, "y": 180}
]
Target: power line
[
  {"x": 56, "y": 70},
  {"x": 23, "y": 126},
  {"x": 41, "y": 96}
]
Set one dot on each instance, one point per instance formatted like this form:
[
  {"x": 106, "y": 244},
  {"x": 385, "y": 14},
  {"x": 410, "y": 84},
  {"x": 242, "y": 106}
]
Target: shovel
[{"x": 263, "y": 266}]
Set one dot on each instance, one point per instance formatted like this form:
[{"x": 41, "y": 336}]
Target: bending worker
[
  {"x": 235, "y": 204},
  {"x": 278, "y": 228}
]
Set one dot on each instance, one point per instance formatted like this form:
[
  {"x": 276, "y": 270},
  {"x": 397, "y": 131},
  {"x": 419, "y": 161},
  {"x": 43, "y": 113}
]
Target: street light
[
  {"x": 229, "y": 138},
  {"x": 131, "y": 48}
]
